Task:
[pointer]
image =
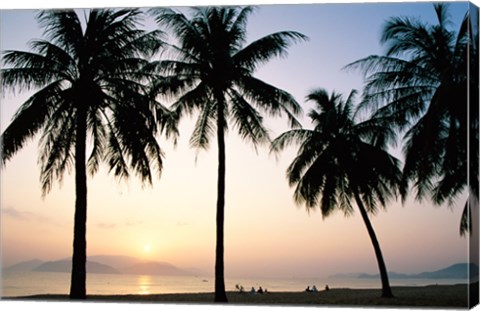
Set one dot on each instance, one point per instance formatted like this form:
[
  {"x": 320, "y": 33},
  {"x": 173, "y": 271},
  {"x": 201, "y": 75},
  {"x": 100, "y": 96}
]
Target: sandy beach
[{"x": 428, "y": 296}]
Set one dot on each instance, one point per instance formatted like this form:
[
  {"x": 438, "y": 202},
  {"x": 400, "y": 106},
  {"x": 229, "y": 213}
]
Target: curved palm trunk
[
  {"x": 220, "y": 295},
  {"x": 386, "y": 290},
  {"x": 79, "y": 258}
]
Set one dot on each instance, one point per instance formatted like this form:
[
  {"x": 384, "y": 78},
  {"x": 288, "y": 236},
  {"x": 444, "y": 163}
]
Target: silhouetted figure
[
  {"x": 260, "y": 290},
  {"x": 253, "y": 291},
  {"x": 314, "y": 289},
  {"x": 308, "y": 289},
  {"x": 326, "y": 287}
]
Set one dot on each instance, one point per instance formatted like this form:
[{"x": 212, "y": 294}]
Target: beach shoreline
[{"x": 449, "y": 296}]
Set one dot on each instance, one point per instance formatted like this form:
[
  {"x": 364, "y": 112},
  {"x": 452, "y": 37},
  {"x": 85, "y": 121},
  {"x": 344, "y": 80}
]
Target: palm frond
[
  {"x": 54, "y": 57},
  {"x": 204, "y": 127},
  {"x": 180, "y": 25},
  {"x": 29, "y": 119},
  {"x": 270, "y": 99},
  {"x": 466, "y": 220},
  {"x": 239, "y": 25},
  {"x": 443, "y": 16},
  {"x": 322, "y": 100},
  {"x": 405, "y": 36},
  {"x": 167, "y": 121},
  {"x": 57, "y": 144},
  {"x": 29, "y": 71},
  {"x": 116, "y": 161},
  {"x": 63, "y": 28},
  {"x": 296, "y": 136},
  {"x": 264, "y": 49},
  {"x": 99, "y": 135},
  {"x": 247, "y": 120},
  {"x": 176, "y": 69},
  {"x": 308, "y": 154},
  {"x": 195, "y": 99}
]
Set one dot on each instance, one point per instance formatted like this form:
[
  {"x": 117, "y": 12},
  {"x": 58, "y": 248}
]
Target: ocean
[{"x": 22, "y": 283}]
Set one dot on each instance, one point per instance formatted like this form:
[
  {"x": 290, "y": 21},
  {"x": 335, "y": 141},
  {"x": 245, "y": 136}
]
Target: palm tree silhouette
[
  {"x": 89, "y": 88},
  {"x": 340, "y": 160},
  {"x": 213, "y": 73},
  {"x": 426, "y": 86}
]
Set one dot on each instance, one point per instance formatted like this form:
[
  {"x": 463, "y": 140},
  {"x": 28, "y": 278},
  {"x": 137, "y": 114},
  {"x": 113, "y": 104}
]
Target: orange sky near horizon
[{"x": 266, "y": 234}]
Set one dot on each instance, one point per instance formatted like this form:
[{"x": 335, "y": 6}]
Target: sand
[{"x": 454, "y": 296}]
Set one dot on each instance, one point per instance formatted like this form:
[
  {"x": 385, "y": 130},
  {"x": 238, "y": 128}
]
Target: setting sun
[{"x": 147, "y": 248}]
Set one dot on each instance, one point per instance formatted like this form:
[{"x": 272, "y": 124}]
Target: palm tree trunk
[
  {"x": 79, "y": 258},
  {"x": 386, "y": 290},
  {"x": 220, "y": 295}
]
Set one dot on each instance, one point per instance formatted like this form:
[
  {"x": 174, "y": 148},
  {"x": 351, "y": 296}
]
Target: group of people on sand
[
  {"x": 314, "y": 288},
  {"x": 260, "y": 290}
]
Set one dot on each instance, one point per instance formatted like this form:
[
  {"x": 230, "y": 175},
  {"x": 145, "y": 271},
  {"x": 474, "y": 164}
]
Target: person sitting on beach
[
  {"x": 314, "y": 289},
  {"x": 308, "y": 289},
  {"x": 260, "y": 290},
  {"x": 326, "y": 287},
  {"x": 253, "y": 291}
]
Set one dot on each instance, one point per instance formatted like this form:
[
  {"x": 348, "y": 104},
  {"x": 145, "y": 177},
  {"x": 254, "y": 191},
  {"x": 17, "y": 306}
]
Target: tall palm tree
[
  {"x": 426, "y": 87},
  {"x": 89, "y": 89},
  {"x": 212, "y": 72},
  {"x": 341, "y": 160}
]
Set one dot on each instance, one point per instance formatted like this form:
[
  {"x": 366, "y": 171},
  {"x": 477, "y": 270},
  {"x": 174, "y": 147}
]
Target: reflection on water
[
  {"x": 18, "y": 283},
  {"x": 144, "y": 283}
]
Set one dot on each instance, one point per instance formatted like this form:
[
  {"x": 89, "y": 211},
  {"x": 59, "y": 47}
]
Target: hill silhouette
[
  {"x": 456, "y": 271},
  {"x": 25, "y": 265},
  {"x": 66, "y": 266},
  {"x": 460, "y": 270},
  {"x": 104, "y": 264},
  {"x": 117, "y": 262},
  {"x": 161, "y": 268}
]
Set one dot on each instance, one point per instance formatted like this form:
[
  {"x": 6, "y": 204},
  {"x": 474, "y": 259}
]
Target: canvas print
[{"x": 318, "y": 154}]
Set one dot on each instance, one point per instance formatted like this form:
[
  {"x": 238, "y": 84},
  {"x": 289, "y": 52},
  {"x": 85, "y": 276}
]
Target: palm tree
[
  {"x": 426, "y": 87},
  {"x": 340, "y": 160},
  {"x": 212, "y": 72},
  {"x": 89, "y": 88}
]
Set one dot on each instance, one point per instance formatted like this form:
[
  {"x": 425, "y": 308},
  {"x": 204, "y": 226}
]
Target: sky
[{"x": 266, "y": 233}]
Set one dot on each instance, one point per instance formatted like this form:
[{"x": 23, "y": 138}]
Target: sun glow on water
[{"x": 144, "y": 282}]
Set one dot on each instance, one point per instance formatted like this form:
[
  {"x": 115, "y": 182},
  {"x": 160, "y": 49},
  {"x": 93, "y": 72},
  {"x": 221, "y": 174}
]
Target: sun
[{"x": 147, "y": 248}]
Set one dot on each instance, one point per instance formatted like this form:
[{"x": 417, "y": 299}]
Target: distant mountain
[
  {"x": 345, "y": 276},
  {"x": 106, "y": 264},
  {"x": 25, "y": 265},
  {"x": 117, "y": 262},
  {"x": 392, "y": 275},
  {"x": 196, "y": 272},
  {"x": 456, "y": 271},
  {"x": 66, "y": 266},
  {"x": 161, "y": 268}
]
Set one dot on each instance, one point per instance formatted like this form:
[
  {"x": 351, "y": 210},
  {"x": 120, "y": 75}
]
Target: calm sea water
[{"x": 31, "y": 283}]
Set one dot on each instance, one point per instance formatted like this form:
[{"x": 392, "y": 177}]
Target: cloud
[
  {"x": 106, "y": 225},
  {"x": 127, "y": 223},
  {"x": 181, "y": 224},
  {"x": 133, "y": 223},
  {"x": 23, "y": 215}
]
